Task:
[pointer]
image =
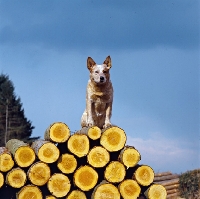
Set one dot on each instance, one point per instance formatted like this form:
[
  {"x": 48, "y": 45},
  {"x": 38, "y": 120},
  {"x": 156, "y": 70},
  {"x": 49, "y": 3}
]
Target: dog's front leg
[
  {"x": 90, "y": 121},
  {"x": 108, "y": 115}
]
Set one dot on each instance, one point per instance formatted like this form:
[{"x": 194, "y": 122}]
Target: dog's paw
[
  {"x": 106, "y": 125},
  {"x": 90, "y": 123}
]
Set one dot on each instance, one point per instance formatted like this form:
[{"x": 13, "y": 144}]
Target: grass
[{"x": 190, "y": 184}]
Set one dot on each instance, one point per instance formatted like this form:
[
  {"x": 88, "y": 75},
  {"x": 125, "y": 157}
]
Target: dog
[{"x": 99, "y": 95}]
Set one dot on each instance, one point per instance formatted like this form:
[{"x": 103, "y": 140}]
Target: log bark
[
  {"x": 129, "y": 156},
  {"x": 59, "y": 185},
  {"x": 93, "y": 132},
  {"x": 6, "y": 160},
  {"x": 163, "y": 174},
  {"x": 39, "y": 173},
  {"x": 1, "y": 180},
  {"x": 129, "y": 189},
  {"x": 173, "y": 186},
  {"x": 29, "y": 191},
  {"x": 78, "y": 144},
  {"x": 67, "y": 163},
  {"x": 46, "y": 151},
  {"x": 57, "y": 132},
  {"x": 105, "y": 190},
  {"x": 113, "y": 138},
  {"x": 144, "y": 175},
  {"x": 98, "y": 157},
  {"x": 76, "y": 194},
  {"x": 156, "y": 191},
  {"x": 16, "y": 178},
  {"x": 169, "y": 182},
  {"x": 115, "y": 172},
  {"x": 23, "y": 154},
  {"x": 85, "y": 177},
  {"x": 167, "y": 177},
  {"x": 171, "y": 191},
  {"x": 173, "y": 195}
]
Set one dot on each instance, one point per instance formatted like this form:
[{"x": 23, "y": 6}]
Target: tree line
[{"x": 13, "y": 122}]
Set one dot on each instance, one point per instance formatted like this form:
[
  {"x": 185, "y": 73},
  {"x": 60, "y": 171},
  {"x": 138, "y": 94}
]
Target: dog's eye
[
  {"x": 105, "y": 71},
  {"x": 96, "y": 71}
]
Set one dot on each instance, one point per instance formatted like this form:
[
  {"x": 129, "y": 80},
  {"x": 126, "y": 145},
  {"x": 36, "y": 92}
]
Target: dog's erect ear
[
  {"x": 90, "y": 63},
  {"x": 108, "y": 62}
]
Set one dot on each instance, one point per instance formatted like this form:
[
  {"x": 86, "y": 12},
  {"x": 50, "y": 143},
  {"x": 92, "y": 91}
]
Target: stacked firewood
[
  {"x": 170, "y": 182},
  {"x": 91, "y": 163}
]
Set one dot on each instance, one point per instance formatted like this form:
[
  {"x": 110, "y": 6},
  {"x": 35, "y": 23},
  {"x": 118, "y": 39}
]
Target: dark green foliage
[
  {"x": 13, "y": 123},
  {"x": 190, "y": 184}
]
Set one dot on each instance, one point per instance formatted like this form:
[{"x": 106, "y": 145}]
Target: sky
[{"x": 155, "y": 51}]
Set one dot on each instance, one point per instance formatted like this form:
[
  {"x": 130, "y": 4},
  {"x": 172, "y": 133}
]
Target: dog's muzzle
[{"x": 102, "y": 79}]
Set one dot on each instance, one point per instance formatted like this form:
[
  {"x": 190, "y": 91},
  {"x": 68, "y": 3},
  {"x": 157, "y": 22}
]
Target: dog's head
[{"x": 99, "y": 73}]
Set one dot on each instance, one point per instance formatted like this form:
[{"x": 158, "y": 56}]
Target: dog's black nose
[{"x": 101, "y": 78}]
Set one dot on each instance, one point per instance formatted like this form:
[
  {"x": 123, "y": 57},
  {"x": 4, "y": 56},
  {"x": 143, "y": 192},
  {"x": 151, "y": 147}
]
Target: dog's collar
[{"x": 98, "y": 93}]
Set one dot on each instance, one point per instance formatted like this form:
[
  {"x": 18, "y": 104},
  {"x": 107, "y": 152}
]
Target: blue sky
[{"x": 154, "y": 46}]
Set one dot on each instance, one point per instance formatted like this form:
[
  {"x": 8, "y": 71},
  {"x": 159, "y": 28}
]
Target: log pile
[
  {"x": 170, "y": 182},
  {"x": 91, "y": 163}
]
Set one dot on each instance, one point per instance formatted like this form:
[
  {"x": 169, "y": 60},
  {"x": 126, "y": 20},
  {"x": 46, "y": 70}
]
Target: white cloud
[{"x": 164, "y": 154}]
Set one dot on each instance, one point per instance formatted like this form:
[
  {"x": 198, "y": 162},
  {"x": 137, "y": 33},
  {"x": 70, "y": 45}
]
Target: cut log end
[
  {"x": 46, "y": 151},
  {"x": 78, "y": 144},
  {"x": 24, "y": 156},
  {"x": 129, "y": 189},
  {"x": 39, "y": 173},
  {"x": 6, "y": 162},
  {"x": 67, "y": 163},
  {"x": 59, "y": 185},
  {"x": 16, "y": 178},
  {"x": 98, "y": 157},
  {"x": 156, "y": 191},
  {"x": 144, "y": 175},
  {"x": 94, "y": 132},
  {"x": 22, "y": 152},
  {"x": 1, "y": 180},
  {"x": 29, "y": 191},
  {"x": 57, "y": 132},
  {"x": 129, "y": 156},
  {"x": 113, "y": 139},
  {"x": 76, "y": 194},
  {"x": 85, "y": 177},
  {"x": 105, "y": 190},
  {"x": 115, "y": 172}
]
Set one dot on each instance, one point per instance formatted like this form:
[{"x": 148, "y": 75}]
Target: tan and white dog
[{"x": 99, "y": 96}]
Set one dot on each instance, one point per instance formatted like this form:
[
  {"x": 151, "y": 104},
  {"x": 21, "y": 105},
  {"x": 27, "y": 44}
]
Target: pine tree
[{"x": 13, "y": 123}]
